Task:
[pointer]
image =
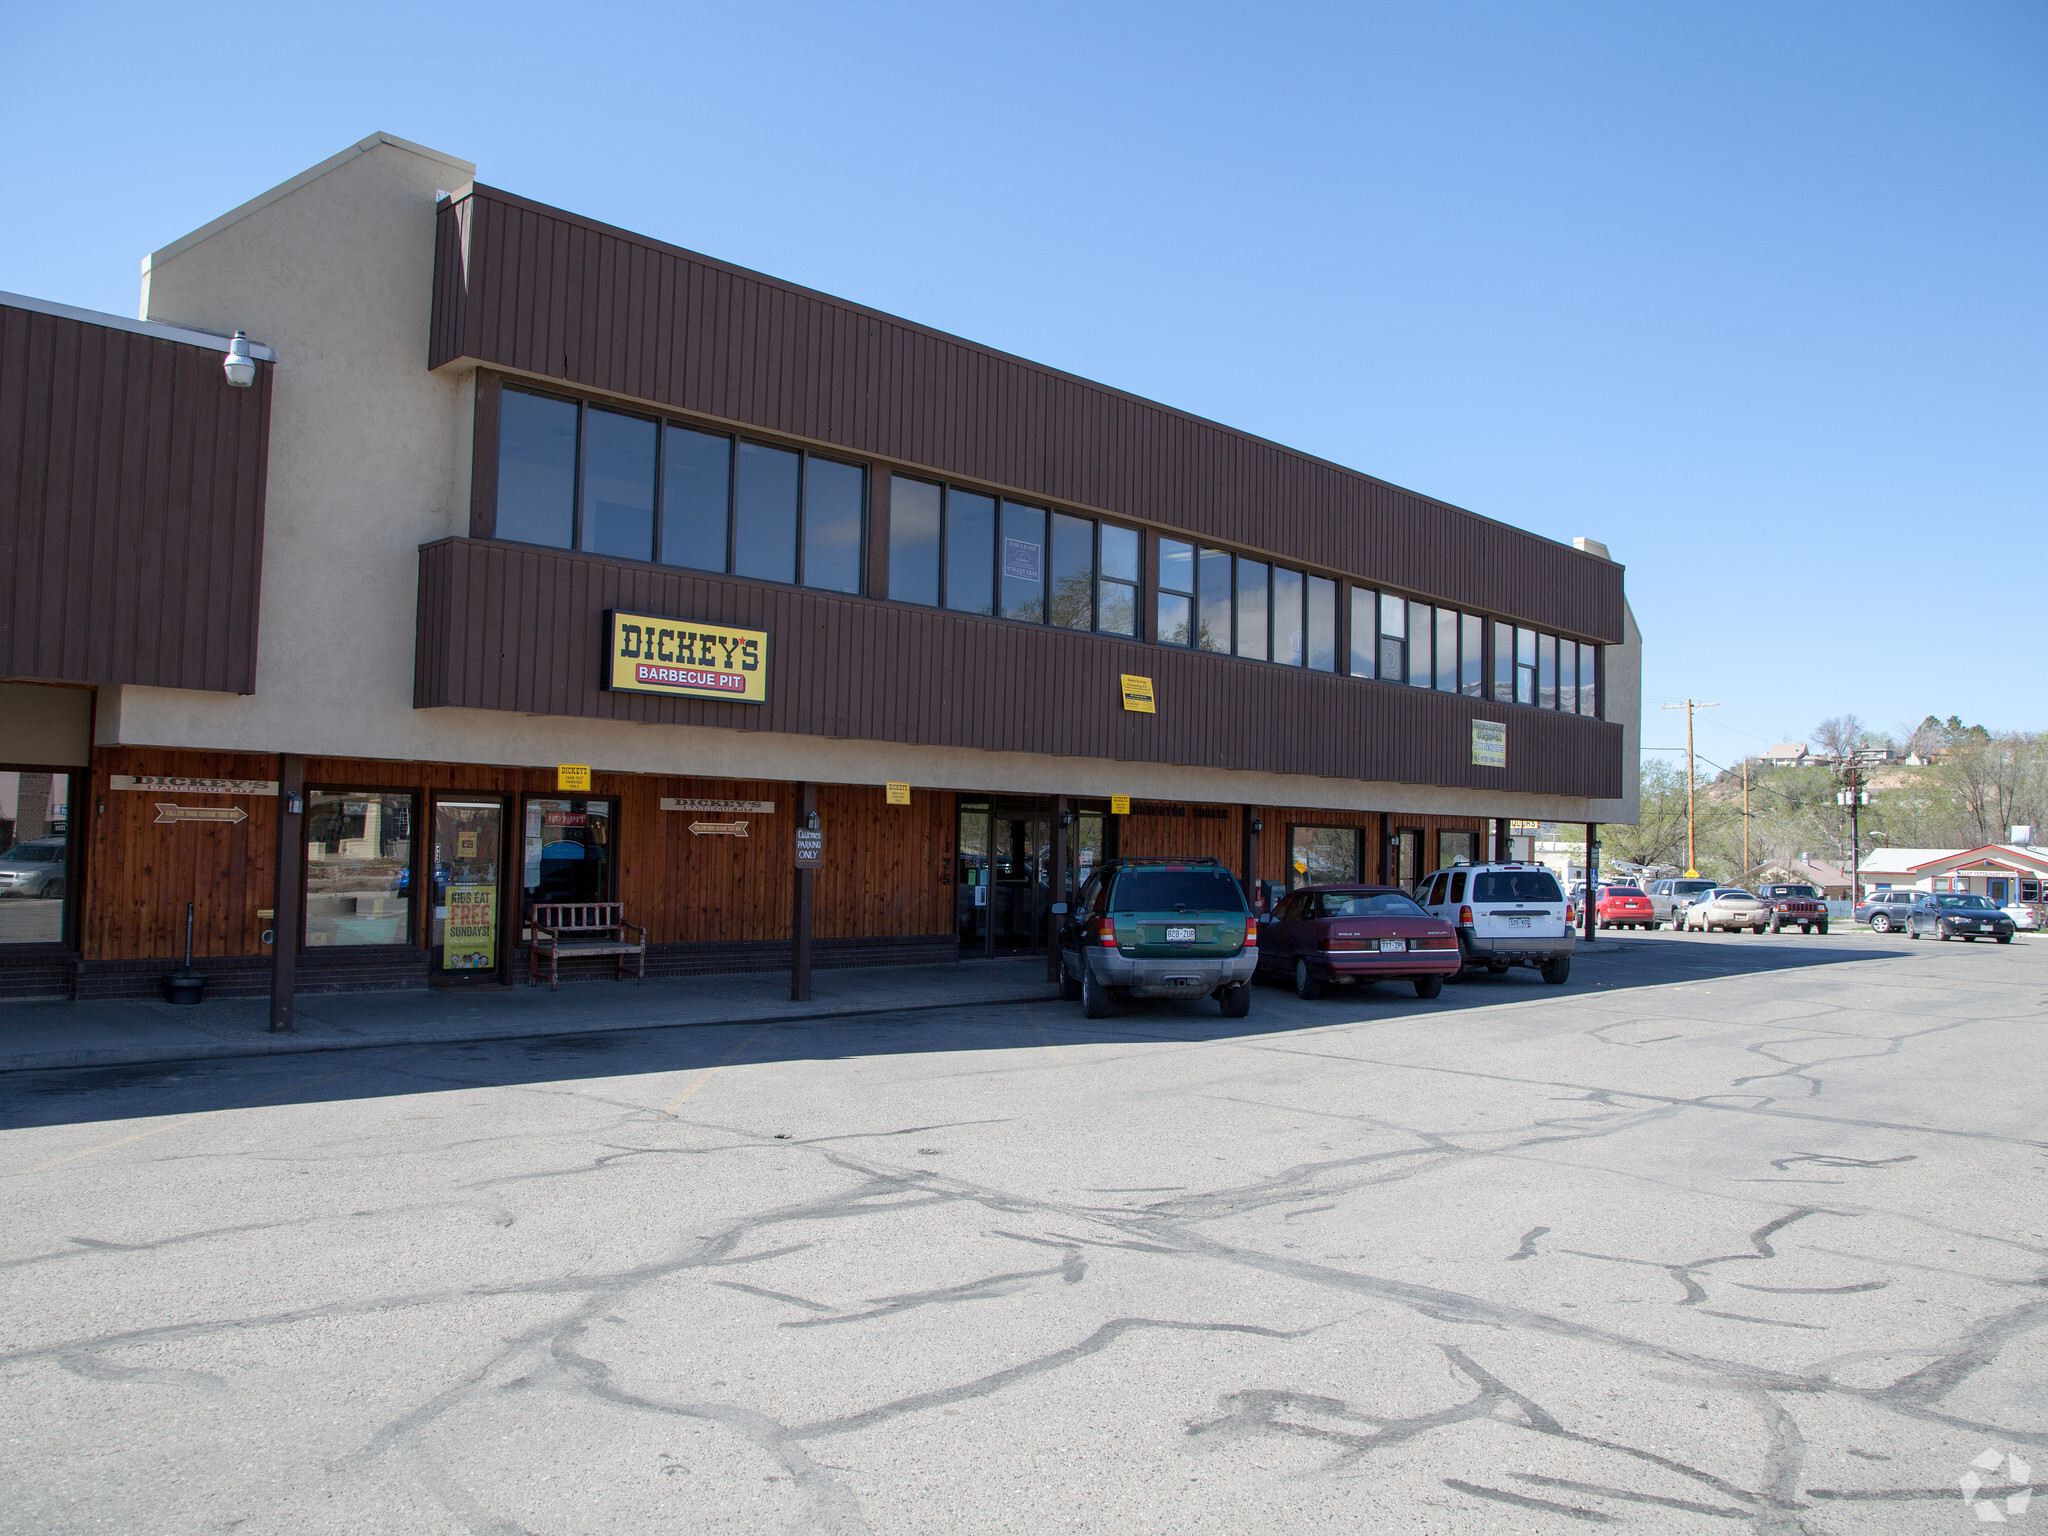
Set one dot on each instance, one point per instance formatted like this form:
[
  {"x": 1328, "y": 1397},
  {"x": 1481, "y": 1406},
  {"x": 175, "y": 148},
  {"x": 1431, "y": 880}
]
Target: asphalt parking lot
[{"x": 1730, "y": 1232}]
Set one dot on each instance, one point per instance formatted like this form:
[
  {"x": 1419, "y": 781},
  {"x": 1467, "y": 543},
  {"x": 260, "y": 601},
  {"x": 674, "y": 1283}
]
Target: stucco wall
[{"x": 1623, "y": 703}]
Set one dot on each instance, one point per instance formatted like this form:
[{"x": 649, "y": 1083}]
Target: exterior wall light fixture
[{"x": 239, "y": 366}]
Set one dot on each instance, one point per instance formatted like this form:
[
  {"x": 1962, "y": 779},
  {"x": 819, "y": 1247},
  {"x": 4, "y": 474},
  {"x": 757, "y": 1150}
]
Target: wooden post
[
  {"x": 800, "y": 916},
  {"x": 1056, "y": 886},
  {"x": 291, "y": 849}
]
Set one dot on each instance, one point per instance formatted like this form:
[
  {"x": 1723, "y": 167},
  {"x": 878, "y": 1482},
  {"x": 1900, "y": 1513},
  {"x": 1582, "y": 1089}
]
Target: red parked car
[
  {"x": 1355, "y": 934},
  {"x": 1624, "y": 906}
]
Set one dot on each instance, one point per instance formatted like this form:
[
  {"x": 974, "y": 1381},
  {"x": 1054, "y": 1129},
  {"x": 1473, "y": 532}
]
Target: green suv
[{"x": 1159, "y": 928}]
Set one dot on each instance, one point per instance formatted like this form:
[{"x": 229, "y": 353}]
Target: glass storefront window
[
  {"x": 359, "y": 870},
  {"x": 567, "y": 851},
  {"x": 766, "y": 506},
  {"x": 1365, "y": 624},
  {"x": 35, "y": 855},
  {"x": 1546, "y": 671},
  {"x": 1393, "y": 639},
  {"x": 1589, "y": 677},
  {"x": 1419, "y": 626},
  {"x": 1322, "y": 856},
  {"x": 1289, "y": 636},
  {"x": 1568, "y": 676},
  {"x": 1176, "y": 592},
  {"x": 1446, "y": 650},
  {"x": 1503, "y": 663},
  {"x": 1117, "y": 594},
  {"x": 1320, "y": 639},
  {"x": 914, "y": 514},
  {"x": 618, "y": 485},
  {"x": 463, "y": 879},
  {"x": 1471, "y": 632},
  {"x": 1525, "y": 666}
]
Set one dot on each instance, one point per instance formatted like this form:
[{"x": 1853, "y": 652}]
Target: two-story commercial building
[{"x": 511, "y": 490}]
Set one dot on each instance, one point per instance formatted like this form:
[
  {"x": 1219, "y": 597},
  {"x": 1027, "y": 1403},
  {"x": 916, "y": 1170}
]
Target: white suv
[{"x": 1505, "y": 914}]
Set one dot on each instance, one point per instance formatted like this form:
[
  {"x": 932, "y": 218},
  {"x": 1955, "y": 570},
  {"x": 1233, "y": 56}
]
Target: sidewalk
[{"x": 43, "y": 1036}]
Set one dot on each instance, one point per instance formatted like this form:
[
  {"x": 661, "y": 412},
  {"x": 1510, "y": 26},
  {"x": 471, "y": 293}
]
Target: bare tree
[{"x": 1839, "y": 735}]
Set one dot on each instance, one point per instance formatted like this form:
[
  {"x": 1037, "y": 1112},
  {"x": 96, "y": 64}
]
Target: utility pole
[
  {"x": 1855, "y": 797},
  {"x": 1692, "y": 861},
  {"x": 1746, "y": 865}
]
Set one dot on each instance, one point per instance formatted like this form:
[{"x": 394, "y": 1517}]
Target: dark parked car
[
  {"x": 1886, "y": 910},
  {"x": 1946, "y": 916},
  {"x": 1159, "y": 928},
  {"x": 1798, "y": 906},
  {"x": 1356, "y": 933}
]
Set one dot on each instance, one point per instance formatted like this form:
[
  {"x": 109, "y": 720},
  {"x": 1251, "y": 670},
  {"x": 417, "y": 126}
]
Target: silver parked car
[
  {"x": 1727, "y": 907},
  {"x": 1669, "y": 899},
  {"x": 34, "y": 868}
]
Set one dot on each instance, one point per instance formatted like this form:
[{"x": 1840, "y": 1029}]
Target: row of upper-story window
[{"x": 573, "y": 475}]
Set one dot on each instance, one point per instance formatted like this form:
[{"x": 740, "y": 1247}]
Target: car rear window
[
  {"x": 1162, "y": 890},
  {"x": 33, "y": 853},
  {"x": 1623, "y": 890},
  {"x": 1369, "y": 904},
  {"x": 1516, "y": 885}
]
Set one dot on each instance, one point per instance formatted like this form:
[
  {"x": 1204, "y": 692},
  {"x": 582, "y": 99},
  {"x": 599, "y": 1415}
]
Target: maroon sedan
[{"x": 1355, "y": 933}]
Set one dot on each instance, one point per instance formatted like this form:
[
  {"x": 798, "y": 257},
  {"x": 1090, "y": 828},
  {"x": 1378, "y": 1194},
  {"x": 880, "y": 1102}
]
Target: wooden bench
[{"x": 582, "y": 928}]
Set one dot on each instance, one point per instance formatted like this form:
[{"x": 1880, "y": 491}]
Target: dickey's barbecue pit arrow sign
[
  {"x": 719, "y": 828},
  {"x": 232, "y": 814}
]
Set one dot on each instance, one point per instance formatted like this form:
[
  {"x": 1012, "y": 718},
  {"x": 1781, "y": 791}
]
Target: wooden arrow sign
[
  {"x": 232, "y": 814},
  {"x": 719, "y": 828}
]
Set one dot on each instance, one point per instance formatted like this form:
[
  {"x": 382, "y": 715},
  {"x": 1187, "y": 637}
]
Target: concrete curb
[{"x": 172, "y": 1052}]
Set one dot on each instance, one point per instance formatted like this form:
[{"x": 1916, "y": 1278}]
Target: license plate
[
  {"x": 1180, "y": 935},
  {"x": 1393, "y": 946},
  {"x": 1518, "y": 922}
]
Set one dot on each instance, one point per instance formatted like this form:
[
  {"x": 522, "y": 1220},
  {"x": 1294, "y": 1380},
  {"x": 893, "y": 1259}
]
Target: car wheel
[
  {"x": 1070, "y": 984},
  {"x": 1306, "y": 986},
  {"x": 1774, "y": 926},
  {"x": 1496, "y": 970},
  {"x": 1880, "y": 923},
  {"x": 1820, "y": 927},
  {"x": 54, "y": 889},
  {"x": 1428, "y": 986},
  {"x": 1759, "y": 931},
  {"x": 2005, "y": 938},
  {"x": 1094, "y": 997},
  {"x": 1237, "y": 1002},
  {"x": 1557, "y": 972}
]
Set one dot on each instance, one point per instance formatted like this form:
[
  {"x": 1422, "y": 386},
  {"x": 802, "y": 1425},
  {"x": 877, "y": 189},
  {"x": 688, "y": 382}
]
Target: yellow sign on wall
[
  {"x": 899, "y": 794},
  {"x": 573, "y": 776},
  {"x": 1119, "y": 805},
  {"x": 1138, "y": 695},
  {"x": 687, "y": 660},
  {"x": 469, "y": 942},
  {"x": 1489, "y": 744}
]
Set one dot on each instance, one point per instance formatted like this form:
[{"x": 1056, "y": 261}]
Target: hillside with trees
[{"x": 1940, "y": 784}]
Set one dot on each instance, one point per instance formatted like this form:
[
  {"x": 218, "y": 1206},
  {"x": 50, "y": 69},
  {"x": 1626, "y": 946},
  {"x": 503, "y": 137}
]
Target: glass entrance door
[
  {"x": 468, "y": 853},
  {"x": 1002, "y": 898}
]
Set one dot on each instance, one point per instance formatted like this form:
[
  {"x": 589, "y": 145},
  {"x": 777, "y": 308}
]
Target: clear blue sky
[{"x": 1752, "y": 292}]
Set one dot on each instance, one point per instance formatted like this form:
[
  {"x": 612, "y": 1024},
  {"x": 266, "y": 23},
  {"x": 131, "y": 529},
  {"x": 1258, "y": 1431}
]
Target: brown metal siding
[
  {"x": 131, "y": 508},
  {"x": 505, "y": 626},
  {"x": 522, "y": 286}
]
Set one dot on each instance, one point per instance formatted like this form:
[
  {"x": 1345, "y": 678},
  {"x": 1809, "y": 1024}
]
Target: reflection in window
[
  {"x": 1471, "y": 630},
  {"x": 1212, "y": 596},
  {"x": 1446, "y": 650},
  {"x": 536, "y": 469},
  {"x": 1418, "y": 644},
  {"x": 1117, "y": 612},
  {"x": 1322, "y": 856},
  {"x": 359, "y": 870},
  {"x": 35, "y": 855},
  {"x": 1546, "y": 672},
  {"x": 1365, "y": 630},
  {"x": 1322, "y": 624},
  {"x": 1176, "y": 592},
  {"x": 696, "y": 498},
  {"x": 1023, "y": 562},
  {"x": 1252, "y": 597},
  {"x": 1070, "y": 601},
  {"x": 567, "y": 851},
  {"x": 764, "y": 528},
  {"x": 914, "y": 511},
  {"x": 834, "y": 497},
  {"x": 1503, "y": 663},
  {"x": 1288, "y": 635},
  {"x": 1393, "y": 639},
  {"x": 970, "y": 552},
  {"x": 1568, "y": 676},
  {"x": 1589, "y": 693},
  {"x": 618, "y": 485},
  {"x": 1525, "y": 666}
]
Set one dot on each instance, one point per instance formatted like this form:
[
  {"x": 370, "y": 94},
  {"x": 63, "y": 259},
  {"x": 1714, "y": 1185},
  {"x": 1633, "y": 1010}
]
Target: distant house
[
  {"x": 1830, "y": 880},
  {"x": 2006, "y": 872},
  {"x": 1786, "y": 754}
]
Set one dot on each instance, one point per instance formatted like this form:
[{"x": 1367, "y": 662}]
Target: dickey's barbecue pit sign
[{"x": 650, "y": 654}]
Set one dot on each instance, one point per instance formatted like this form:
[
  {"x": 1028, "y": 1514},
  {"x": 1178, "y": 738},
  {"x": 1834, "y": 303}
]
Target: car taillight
[
  {"x": 1251, "y": 932},
  {"x": 1106, "y": 935},
  {"x": 1464, "y": 917},
  {"x": 1437, "y": 941},
  {"x": 1569, "y": 916}
]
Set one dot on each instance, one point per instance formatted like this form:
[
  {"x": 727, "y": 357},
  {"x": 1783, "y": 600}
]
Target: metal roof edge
[{"x": 154, "y": 328}]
